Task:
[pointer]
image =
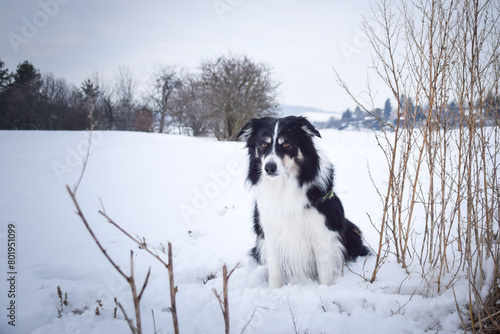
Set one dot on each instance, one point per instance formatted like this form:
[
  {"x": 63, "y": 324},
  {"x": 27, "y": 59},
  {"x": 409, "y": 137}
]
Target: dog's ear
[
  {"x": 247, "y": 131},
  {"x": 308, "y": 127}
]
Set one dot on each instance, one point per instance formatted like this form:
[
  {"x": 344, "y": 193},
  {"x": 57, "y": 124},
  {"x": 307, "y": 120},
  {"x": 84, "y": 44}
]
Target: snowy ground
[{"x": 190, "y": 192}]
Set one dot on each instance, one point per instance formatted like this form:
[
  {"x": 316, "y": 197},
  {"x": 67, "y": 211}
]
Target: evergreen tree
[
  {"x": 22, "y": 99},
  {"x": 91, "y": 94},
  {"x": 492, "y": 106},
  {"x": 358, "y": 113},
  {"x": 387, "y": 109},
  {"x": 5, "y": 79},
  {"x": 347, "y": 115},
  {"x": 5, "y": 76},
  {"x": 27, "y": 75}
]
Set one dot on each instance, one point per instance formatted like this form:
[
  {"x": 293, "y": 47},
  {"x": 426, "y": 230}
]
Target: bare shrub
[{"x": 440, "y": 205}]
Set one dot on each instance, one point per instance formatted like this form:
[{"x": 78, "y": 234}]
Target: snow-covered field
[{"x": 191, "y": 192}]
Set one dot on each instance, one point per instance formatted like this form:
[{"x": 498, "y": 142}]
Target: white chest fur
[{"x": 297, "y": 246}]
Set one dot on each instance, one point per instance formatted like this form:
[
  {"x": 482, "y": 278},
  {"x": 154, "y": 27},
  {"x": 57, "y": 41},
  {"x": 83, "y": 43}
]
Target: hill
[{"x": 313, "y": 114}]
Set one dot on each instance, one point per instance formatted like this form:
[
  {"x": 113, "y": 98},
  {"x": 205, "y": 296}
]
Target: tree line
[
  {"x": 412, "y": 114},
  {"x": 215, "y": 99}
]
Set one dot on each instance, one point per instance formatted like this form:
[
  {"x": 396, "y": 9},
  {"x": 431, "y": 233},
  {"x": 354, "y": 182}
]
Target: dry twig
[
  {"x": 224, "y": 302},
  {"x": 137, "y": 328},
  {"x": 169, "y": 265}
]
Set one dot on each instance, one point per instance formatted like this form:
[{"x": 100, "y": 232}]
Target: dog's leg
[
  {"x": 326, "y": 269},
  {"x": 273, "y": 264},
  {"x": 259, "y": 251},
  {"x": 328, "y": 255}
]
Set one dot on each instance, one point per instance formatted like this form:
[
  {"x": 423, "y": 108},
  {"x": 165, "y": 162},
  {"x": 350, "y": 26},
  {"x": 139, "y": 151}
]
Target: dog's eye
[
  {"x": 264, "y": 144},
  {"x": 287, "y": 144}
]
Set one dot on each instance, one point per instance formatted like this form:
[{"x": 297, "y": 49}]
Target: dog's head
[{"x": 279, "y": 146}]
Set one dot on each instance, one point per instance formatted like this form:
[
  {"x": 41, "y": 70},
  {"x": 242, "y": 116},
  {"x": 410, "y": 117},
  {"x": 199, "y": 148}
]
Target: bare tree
[
  {"x": 144, "y": 119},
  {"x": 190, "y": 111},
  {"x": 236, "y": 90},
  {"x": 54, "y": 93},
  {"x": 107, "y": 105},
  {"x": 166, "y": 82},
  {"x": 126, "y": 87}
]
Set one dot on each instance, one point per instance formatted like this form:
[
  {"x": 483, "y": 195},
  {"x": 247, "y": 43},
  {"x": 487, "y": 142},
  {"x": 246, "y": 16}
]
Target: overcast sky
[{"x": 302, "y": 41}]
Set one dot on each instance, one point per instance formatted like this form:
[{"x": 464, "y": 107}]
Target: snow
[
  {"x": 191, "y": 192},
  {"x": 321, "y": 116}
]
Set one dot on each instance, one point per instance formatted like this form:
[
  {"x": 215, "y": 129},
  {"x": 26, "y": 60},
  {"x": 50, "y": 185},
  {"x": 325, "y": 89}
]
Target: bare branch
[
  {"x": 144, "y": 285},
  {"x": 168, "y": 265},
  {"x": 85, "y": 161},
  {"x": 137, "y": 241},
  {"x": 129, "y": 322},
  {"x": 249, "y": 321},
  {"x": 224, "y": 301},
  {"x": 84, "y": 220}
]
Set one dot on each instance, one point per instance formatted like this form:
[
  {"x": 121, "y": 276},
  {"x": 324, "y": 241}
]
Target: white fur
[{"x": 297, "y": 245}]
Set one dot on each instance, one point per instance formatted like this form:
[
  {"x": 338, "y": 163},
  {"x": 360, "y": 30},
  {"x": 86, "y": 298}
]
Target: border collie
[{"x": 299, "y": 222}]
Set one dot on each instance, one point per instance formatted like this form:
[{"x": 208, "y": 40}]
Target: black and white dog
[{"x": 301, "y": 229}]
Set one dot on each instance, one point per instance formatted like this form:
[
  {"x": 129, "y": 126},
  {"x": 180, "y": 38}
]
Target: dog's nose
[{"x": 270, "y": 168}]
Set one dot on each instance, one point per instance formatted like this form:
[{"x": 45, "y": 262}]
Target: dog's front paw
[
  {"x": 275, "y": 284},
  {"x": 275, "y": 279},
  {"x": 327, "y": 279}
]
